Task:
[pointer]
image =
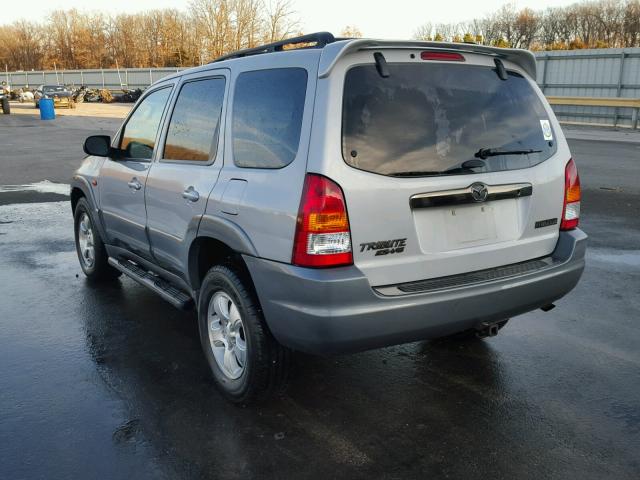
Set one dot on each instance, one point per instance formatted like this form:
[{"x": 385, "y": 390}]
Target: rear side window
[
  {"x": 139, "y": 134},
  {"x": 428, "y": 119},
  {"x": 267, "y": 117},
  {"x": 195, "y": 121}
]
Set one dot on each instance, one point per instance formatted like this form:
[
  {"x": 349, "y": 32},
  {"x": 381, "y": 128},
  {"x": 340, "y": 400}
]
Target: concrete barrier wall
[
  {"x": 613, "y": 72},
  {"x": 111, "y": 79}
]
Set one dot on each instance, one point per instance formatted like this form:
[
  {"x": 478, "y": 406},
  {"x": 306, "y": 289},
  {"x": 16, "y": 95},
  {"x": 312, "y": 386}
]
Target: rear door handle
[
  {"x": 134, "y": 184},
  {"x": 191, "y": 194}
]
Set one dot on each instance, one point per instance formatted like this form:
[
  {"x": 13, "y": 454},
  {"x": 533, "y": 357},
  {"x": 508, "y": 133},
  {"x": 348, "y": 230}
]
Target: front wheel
[
  {"x": 6, "y": 107},
  {"x": 89, "y": 246},
  {"x": 246, "y": 361}
]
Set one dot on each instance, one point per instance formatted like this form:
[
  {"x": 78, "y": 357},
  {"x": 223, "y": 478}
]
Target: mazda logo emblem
[{"x": 479, "y": 192}]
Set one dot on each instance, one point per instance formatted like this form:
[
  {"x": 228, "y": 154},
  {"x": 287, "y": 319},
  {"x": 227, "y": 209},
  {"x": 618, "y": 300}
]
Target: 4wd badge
[{"x": 385, "y": 247}]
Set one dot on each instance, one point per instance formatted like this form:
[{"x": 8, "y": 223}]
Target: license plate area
[
  {"x": 470, "y": 224},
  {"x": 456, "y": 227}
]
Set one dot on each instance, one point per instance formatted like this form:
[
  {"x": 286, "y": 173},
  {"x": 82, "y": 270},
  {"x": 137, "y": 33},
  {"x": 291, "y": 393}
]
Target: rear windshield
[
  {"x": 430, "y": 119},
  {"x": 54, "y": 89}
]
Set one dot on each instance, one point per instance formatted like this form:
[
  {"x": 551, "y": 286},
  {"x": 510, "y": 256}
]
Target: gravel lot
[{"x": 110, "y": 382}]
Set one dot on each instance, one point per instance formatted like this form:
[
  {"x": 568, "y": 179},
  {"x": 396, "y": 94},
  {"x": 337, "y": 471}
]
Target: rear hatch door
[{"x": 447, "y": 168}]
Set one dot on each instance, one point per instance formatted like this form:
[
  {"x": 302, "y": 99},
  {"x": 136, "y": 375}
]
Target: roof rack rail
[{"x": 321, "y": 39}]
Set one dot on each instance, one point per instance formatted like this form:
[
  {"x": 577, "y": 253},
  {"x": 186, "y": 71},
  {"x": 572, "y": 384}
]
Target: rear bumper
[{"x": 336, "y": 310}]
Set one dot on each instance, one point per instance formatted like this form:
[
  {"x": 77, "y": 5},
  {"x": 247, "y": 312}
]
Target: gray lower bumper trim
[{"x": 336, "y": 310}]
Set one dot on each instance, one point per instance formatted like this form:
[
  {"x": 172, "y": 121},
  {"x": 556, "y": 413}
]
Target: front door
[
  {"x": 122, "y": 180},
  {"x": 186, "y": 169}
]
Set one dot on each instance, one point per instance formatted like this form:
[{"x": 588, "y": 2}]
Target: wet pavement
[
  {"x": 109, "y": 381},
  {"x": 32, "y": 150}
]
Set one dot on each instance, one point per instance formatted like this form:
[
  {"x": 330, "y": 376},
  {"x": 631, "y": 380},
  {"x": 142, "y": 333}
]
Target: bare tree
[
  {"x": 351, "y": 31},
  {"x": 592, "y": 24},
  {"x": 424, "y": 32},
  {"x": 631, "y": 23},
  {"x": 281, "y": 22}
]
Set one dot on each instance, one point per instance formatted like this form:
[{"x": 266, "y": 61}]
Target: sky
[{"x": 377, "y": 19}]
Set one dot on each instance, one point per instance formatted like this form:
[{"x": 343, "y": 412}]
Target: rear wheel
[
  {"x": 246, "y": 361},
  {"x": 89, "y": 246},
  {"x": 6, "y": 107}
]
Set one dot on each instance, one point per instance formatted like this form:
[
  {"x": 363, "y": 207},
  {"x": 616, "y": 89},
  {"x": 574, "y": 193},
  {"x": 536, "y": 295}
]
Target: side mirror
[{"x": 98, "y": 145}]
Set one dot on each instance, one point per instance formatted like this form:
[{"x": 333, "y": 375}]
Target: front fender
[{"x": 82, "y": 182}]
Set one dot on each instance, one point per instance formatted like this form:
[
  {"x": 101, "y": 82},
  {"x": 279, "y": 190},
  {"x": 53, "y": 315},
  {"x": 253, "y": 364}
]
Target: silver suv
[{"x": 344, "y": 195}]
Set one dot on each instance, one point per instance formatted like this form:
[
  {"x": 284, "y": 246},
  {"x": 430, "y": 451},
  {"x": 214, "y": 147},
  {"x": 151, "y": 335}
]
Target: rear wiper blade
[
  {"x": 466, "y": 167},
  {"x": 415, "y": 174},
  {"x": 494, "y": 152}
]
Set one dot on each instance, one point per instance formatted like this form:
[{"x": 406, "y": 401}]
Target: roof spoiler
[{"x": 333, "y": 52}]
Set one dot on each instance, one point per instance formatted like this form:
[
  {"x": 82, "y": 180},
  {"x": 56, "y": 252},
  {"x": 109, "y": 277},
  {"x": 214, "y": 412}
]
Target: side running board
[{"x": 171, "y": 294}]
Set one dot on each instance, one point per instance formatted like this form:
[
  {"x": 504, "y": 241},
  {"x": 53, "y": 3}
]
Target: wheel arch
[
  {"x": 218, "y": 240},
  {"x": 76, "y": 194},
  {"x": 80, "y": 188},
  {"x": 205, "y": 252}
]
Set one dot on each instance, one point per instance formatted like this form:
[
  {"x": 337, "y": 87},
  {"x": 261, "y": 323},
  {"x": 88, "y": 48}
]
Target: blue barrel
[{"x": 47, "y": 112}]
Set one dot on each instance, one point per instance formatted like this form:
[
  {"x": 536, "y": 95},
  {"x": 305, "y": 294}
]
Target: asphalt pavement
[{"x": 108, "y": 381}]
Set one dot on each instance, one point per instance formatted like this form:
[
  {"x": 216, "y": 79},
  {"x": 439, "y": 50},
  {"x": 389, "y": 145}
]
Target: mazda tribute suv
[{"x": 344, "y": 195}]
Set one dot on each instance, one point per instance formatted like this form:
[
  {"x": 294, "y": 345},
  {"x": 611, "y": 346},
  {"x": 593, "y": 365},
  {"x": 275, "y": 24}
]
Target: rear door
[
  {"x": 429, "y": 191},
  {"x": 180, "y": 181},
  {"x": 122, "y": 180}
]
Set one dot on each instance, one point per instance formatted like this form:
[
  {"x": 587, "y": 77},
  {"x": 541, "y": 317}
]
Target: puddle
[{"x": 44, "y": 186}]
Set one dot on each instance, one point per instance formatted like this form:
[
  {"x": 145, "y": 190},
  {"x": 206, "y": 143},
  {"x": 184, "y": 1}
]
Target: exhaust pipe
[
  {"x": 485, "y": 330},
  {"x": 546, "y": 308}
]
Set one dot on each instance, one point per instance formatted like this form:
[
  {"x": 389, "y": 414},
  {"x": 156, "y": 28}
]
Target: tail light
[
  {"x": 571, "y": 208},
  {"x": 323, "y": 238}
]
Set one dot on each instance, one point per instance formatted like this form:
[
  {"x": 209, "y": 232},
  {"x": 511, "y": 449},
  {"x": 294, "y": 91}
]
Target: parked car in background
[
  {"x": 60, "y": 94},
  {"x": 353, "y": 195}
]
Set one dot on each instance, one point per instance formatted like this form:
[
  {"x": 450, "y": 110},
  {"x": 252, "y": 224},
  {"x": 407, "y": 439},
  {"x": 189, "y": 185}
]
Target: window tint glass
[
  {"x": 193, "y": 129},
  {"x": 430, "y": 118},
  {"x": 139, "y": 135},
  {"x": 267, "y": 117}
]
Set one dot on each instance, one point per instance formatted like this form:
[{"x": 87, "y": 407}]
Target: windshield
[
  {"x": 55, "y": 88},
  {"x": 430, "y": 119}
]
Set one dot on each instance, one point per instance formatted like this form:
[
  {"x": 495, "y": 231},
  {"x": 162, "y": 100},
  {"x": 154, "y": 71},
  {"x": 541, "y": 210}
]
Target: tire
[
  {"x": 92, "y": 254},
  {"x": 6, "y": 107},
  {"x": 263, "y": 368}
]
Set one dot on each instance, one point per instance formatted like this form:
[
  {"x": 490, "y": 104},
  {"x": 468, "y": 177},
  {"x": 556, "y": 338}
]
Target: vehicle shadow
[{"x": 338, "y": 412}]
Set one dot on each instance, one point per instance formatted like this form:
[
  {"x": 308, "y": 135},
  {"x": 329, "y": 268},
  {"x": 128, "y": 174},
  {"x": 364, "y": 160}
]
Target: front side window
[
  {"x": 429, "y": 119},
  {"x": 195, "y": 122},
  {"x": 267, "y": 117},
  {"x": 139, "y": 134}
]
